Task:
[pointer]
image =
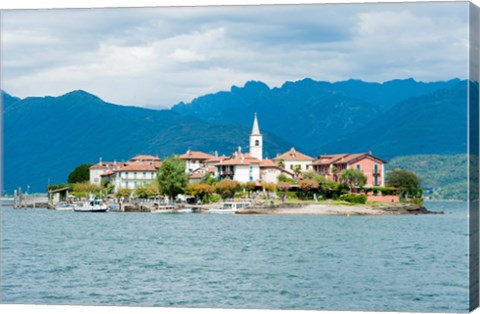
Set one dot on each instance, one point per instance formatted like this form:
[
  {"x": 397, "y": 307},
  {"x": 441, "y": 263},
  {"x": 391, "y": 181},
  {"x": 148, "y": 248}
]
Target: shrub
[
  {"x": 354, "y": 198},
  {"x": 214, "y": 198}
]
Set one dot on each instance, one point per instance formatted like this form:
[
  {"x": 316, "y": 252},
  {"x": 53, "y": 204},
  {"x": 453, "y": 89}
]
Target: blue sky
[{"x": 157, "y": 57}]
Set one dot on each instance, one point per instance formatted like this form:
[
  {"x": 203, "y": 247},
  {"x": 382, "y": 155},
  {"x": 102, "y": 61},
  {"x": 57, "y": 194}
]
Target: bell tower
[{"x": 256, "y": 140}]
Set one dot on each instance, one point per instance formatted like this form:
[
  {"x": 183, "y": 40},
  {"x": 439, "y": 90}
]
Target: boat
[
  {"x": 64, "y": 206},
  {"x": 230, "y": 207},
  {"x": 92, "y": 206},
  {"x": 164, "y": 209},
  {"x": 170, "y": 209}
]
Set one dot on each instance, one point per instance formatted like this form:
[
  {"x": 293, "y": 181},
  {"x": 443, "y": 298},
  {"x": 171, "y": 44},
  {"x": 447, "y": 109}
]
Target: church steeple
[
  {"x": 255, "y": 129},
  {"x": 256, "y": 140}
]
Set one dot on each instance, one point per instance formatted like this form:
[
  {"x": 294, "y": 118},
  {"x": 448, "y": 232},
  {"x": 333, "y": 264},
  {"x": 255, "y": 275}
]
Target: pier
[{"x": 24, "y": 200}]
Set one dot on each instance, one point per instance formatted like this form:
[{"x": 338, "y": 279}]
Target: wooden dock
[{"x": 24, "y": 200}]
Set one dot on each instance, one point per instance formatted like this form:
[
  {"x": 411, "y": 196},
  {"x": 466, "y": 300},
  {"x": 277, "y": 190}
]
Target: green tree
[
  {"x": 352, "y": 178},
  {"x": 209, "y": 179},
  {"x": 281, "y": 163},
  {"x": 334, "y": 169},
  {"x": 283, "y": 187},
  {"x": 200, "y": 190},
  {"x": 172, "y": 178},
  {"x": 269, "y": 188},
  {"x": 146, "y": 191},
  {"x": 406, "y": 181},
  {"x": 123, "y": 192},
  {"x": 307, "y": 186},
  {"x": 249, "y": 187},
  {"x": 80, "y": 174},
  {"x": 297, "y": 170},
  {"x": 226, "y": 188},
  {"x": 314, "y": 176}
]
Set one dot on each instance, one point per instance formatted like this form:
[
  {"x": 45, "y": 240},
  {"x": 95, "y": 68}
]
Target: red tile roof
[
  {"x": 293, "y": 155},
  {"x": 214, "y": 160},
  {"x": 140, "y": 166},
  {"x": 190, "y": 154},
  {"x": 239, "y": 158},
  {"x": 342, "y": 158},
  {"x": 268, "y": 163},
  {"x": 108, "y": 173},
  {"x": 103, "y": 165},
  {"x": 145, "y": 158}
]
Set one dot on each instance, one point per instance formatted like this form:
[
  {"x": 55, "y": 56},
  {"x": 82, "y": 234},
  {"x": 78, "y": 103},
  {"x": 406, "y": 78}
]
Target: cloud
[{"x": 159, "y": 57}]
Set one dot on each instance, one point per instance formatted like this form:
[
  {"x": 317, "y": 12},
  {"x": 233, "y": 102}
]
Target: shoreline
[{"x": 341, "y": 210}]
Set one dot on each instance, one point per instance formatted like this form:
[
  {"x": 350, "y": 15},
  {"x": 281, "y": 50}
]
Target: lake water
[{"x": 390, "y": 263}]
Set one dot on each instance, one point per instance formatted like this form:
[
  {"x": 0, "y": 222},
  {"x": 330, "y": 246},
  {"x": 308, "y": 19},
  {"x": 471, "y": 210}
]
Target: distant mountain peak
[
  {"x": 81, "y": 93},
  {"x": 251, "y": 86}
]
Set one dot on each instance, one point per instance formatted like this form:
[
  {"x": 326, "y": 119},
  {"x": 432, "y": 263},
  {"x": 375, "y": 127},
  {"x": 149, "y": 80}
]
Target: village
[{"x": 243, "y": 182}]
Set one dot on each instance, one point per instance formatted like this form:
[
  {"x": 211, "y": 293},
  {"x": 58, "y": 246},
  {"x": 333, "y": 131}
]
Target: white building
[
  {"x": 101, "y": 168},
  {"x": 140, "y": 170},
  {"x": 293, "y": 159},
  {"x": 195, "y": 160},
  {"x": 135, "y": 174},
  {"x": 239, "y": 167},
  {"x": 269, "y": 171}
]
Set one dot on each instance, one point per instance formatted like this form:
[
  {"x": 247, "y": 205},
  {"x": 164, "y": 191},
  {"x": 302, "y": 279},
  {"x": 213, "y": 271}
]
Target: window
[
  {"x": 126, "y": 174},
  {"x": 126, "y": 184},
  {"x": 375, "y": 180},
  {"x": 135, "y": 184},
  {"x": 375, "y": 168},
  {"x": 257, "y": 143},
  {"x": 144, "y": 174},
  {"x": 308, "y": 167},
  {"x": 291, "y": 167},
  {"x": 135, "y": 175},
  {"x": 358, "y": 167},
  {"x": 251, "y": 178}
]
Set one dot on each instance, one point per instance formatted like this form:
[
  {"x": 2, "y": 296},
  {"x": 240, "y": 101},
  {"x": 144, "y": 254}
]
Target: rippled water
[{"x": 394, "y": 263}]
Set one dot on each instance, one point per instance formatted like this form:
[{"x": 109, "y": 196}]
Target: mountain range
[{"x": 47, "y": 137}]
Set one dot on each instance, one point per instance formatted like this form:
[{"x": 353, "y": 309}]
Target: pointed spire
[{"x": 255, "y": 129}]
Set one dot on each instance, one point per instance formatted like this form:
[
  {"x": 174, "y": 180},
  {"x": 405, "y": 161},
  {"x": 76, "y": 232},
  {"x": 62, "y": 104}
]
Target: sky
[{"x": 157, "y": 57}]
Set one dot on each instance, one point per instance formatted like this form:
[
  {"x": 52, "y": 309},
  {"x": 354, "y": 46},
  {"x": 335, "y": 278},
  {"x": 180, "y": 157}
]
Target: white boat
[
  {"x": 64, "y": 206},
  {"x": 164, "y": 209},
  {"x": 172, "y": 210},
  {"x": 230, "y": 207},
  {"x": 92, "y": 206}
]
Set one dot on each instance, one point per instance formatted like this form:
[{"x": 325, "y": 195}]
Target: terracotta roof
[
  {"x": 197, "y": 175},
  {"x": 145, "y": 158},
  {"x": 268, "y": 163},
  {"x": 108, "y": 173},
  {"x": 214, "y": 160},
  {"x": 103, "y": 165},
  {"x": 200, "y": 172},
  {"x": 293, "y": 155},
  {"x": 239, "y": 159},
  {"x": 140, "y": 166},
  {"x": 328, "y": 159},
  {"x": 190, "y": 154},
  {"x": 342, "y": 158}
]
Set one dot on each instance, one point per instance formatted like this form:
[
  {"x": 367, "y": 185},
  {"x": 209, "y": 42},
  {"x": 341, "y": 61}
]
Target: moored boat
[
  {"x": 64, "y": 206},
  {"x": 171, "y": 209},
  {"x": 92, "y": 206},
  {"x": 230, "y": 207}
]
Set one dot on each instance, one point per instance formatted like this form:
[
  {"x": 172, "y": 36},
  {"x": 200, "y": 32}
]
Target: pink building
[{"x": 372, "y": 167}]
